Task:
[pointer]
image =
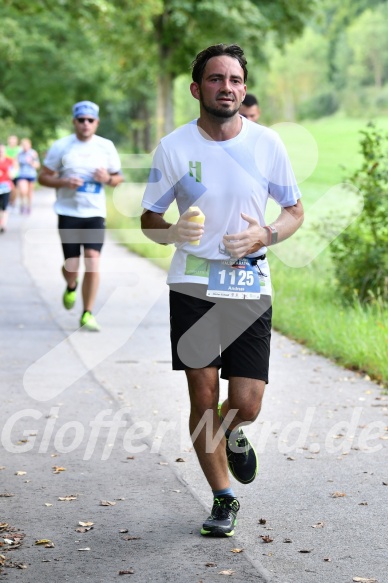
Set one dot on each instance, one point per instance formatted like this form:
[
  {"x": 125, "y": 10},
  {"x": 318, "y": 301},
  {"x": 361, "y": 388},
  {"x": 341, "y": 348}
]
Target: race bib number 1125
[{"x": 233, "y": 279}]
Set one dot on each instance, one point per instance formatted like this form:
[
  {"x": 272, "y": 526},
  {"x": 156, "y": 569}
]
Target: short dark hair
[
  {"x": 200, "y": 61},
  {"x": 250, "y": 100}
]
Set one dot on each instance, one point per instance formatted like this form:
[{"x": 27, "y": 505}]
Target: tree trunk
[
  {"x": 377, "y": 70},
  {"x": 289, "y": 106},
  {"x": 141, "y": 126},
  {"x": 165, "y": 105}
]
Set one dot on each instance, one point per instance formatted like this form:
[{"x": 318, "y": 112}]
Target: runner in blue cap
[{"x": 78, "y": 167}]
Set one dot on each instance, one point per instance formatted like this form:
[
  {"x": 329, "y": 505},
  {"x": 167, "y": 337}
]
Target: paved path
[{"x": 108, "y": 409}]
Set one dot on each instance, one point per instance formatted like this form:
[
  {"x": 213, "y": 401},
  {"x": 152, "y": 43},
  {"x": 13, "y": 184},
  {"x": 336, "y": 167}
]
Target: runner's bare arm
[
  {"x": 51, "y": 179},
  {"x": 105, "y": 177},
  {"x": 256, "y": 236},
  {"x": 156, "y": 228}
]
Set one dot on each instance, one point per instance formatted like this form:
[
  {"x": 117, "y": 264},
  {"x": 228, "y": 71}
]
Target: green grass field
[{"x": 306, "y": 305}]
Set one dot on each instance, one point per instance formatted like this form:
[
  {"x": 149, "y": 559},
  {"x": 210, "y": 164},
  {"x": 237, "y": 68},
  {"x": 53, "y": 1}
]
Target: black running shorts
[
  {"x": 233, "y": 335},
  {"x": 75, "y": 231},
  {"x": 4, "y": 200}
]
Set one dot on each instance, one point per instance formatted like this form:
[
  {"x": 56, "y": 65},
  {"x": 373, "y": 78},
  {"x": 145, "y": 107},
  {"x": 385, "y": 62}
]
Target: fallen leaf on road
[
  {"x": 364, "y": 580},
  {"x": 291, "y": 459},
  {"x": 107, "y": 503},
  {"x": 318, "y": 525},
  {"x": 42, "y": 541},
  {"x": 210, "y": 564},
  {"x": 305, "y": 551},
  {"x": 85, "y": 549},
  {"x": 163, "y": 463},
  {"x": 123, "y": 530},
  {"x": 49, "y": 545},
  {"x": 385, "y": 483},
  {"x": 129, "y": 537},
  {"x": 287, "y": 540},
  {"x": 2, "y": 467},
  {"x": 127, "y": 572},
  {"x": 180, "y": 459},
  {"x": 20, "y": 473},
  {"x": 6, "y": 495},
  {"x": 58, "y": 469},
  {"x": 266, "y": 538},
  {"x": 327, "y": 560},
  {"x": 47, "y": 504},
  {"x": 227, "y": 572},
  {"x": 236, "y": 550},
  {"x": 3, "y": 525},
  {"x": 83, "y": 529},
  {"x": 67, "y": 498},
  {"x": 86, "y": 523},
  {"x": 338, "y": 494},
  {"x": 262, "y": 521}
]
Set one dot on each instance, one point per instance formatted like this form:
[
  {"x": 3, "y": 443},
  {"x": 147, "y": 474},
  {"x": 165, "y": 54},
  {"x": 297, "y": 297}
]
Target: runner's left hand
[
  {"x": 248, "y": 241},
  {"x": 101, "y": 175}
]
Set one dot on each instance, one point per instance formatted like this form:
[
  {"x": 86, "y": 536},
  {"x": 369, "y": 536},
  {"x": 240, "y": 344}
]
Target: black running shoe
[
  {"x": 242, "y": 459},
  {"x": 222, "y": 520}
]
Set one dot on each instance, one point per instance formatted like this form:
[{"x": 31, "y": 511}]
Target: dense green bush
[{"x": 360, "y": 253}]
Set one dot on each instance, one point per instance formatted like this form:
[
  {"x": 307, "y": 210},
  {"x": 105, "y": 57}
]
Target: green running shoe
[
  {"x": 69, "y": 298},
  {"x": 223, "y": 519},
  {"x": 88, "y": 322},
  {"x": 242, "y": 459}
]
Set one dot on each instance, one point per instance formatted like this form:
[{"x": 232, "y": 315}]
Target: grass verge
[{"x": 307, "y": 309}]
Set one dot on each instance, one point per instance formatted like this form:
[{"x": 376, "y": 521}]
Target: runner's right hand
[
  {"x": 74, "y": 182},
  {"x": 185, "y": 230}
]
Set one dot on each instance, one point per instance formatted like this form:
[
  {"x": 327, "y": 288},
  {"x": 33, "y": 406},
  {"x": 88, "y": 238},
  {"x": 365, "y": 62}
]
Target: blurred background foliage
[{"x": 306, "y": 60}]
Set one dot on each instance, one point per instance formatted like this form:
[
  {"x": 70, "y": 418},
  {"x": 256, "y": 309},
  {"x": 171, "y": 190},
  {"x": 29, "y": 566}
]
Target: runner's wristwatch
[{"x": 273, "y": 234}]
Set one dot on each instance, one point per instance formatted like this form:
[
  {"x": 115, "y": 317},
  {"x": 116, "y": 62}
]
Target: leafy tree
[
  {"x": 361, "y": 64},
  {"x": 121, "y": 50},
  {"x": 184, "y": 27},
  {"x": 297, "y": 73},
  {"x": 332, "y": 18},
  {"x": 50, "y": 65},
  {"x": 368, "y": 41},
  {"x": 169, "y": 33}
]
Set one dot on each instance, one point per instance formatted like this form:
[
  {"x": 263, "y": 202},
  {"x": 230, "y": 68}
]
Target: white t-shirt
[
  {"x": 72, "y": 157},
  {"x": 223, "y": 179}
]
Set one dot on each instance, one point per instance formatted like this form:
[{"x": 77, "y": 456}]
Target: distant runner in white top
[
  {"x": 78, "y": 167},
  {"x": 220, "y": 292}
]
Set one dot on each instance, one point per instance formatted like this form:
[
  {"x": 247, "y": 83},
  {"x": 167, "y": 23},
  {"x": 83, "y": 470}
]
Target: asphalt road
[{"x": 93, "y": 426}]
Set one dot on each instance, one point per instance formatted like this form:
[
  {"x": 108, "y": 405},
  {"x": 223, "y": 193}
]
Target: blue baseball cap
[{"x": 85, "y": 108}]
